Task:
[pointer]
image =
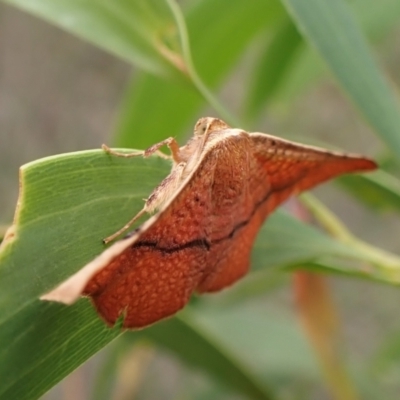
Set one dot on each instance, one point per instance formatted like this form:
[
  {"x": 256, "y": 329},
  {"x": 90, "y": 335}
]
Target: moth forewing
[{"x": 223, "y": 184}]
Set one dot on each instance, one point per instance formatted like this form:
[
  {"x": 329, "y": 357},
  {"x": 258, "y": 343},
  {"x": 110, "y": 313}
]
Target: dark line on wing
[
  {"x": 202, "y": 242},
  {"x": 193, "y": 243}
]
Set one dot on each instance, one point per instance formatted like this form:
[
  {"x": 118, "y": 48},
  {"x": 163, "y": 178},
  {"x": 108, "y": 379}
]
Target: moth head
[{"x": 209, "y": 124}]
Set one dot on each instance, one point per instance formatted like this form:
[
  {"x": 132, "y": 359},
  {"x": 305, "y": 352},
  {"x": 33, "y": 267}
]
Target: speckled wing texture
[
  {"x": 275, "y": 170},
  {"x": 154, "y": 277},
  {"x": 202, "y": 240}
]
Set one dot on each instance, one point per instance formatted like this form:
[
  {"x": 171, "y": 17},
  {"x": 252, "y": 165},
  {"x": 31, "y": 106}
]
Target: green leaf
[
  {"x": 173, "y": 107},
  {"x": 379, "y": 190},
  {"x": 245, "y": 347},
  {"x": 67, "y": 204},
  {"x": 242, "y": 328},
  {"x": 268, "y": 347},
  {"x": 285, "y": 241},
  {"x": 42, "y": 343},
  {"x": 329, "y": 25},
  {"x": 256, "y": 284},
  {"x": 272, "y": 67},
  {"x": 141, "y": 32},
  {"x": 146, "y": 119},
  {"x": 59, "y": 195},
  {"x": 377, "y": 19},
  {"x": 195, "y": 346},
  {"x": 215, "y": 52}
]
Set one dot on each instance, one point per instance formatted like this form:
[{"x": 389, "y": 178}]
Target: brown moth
[{"x": 223, "y": 184}]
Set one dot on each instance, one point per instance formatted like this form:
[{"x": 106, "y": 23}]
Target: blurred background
[{"x": 59, "y": 94}]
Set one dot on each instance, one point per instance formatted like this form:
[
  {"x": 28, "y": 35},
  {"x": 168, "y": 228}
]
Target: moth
[{"x": 223, "y": 184}]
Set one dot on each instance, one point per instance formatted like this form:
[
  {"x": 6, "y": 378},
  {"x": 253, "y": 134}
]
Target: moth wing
[
  {"x": 150, "y": 274},
  {"x": 195, "y": 241},
  {"x": 289, "y": 168},
  {"x": 278, "y": 169}
]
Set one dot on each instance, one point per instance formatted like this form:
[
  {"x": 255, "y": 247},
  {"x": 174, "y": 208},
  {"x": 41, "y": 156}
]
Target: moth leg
[
  {"x": 108, "y": 239},
  {"x": 172, "y": 145},
  {"x": 134, "y": 153},
  {"x": 159, "y": 195},
  {"x": 118, "y": 154}
]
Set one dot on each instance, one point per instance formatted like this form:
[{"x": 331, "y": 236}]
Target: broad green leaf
[
  {"x": 259, "y": 283},
  {"x": 329, "y": 25},
  {"x": 272, "y": 67},
  {"x": 246, "y": 347},
  {"x": 271, "y": 345},
  {"x": 147, "y": 118},
  {"x": 242, "y": 328},
  {"x": 377, "y": 19},
  {"x": 42, "y": 343},
  {"x": 154, "y": 108},
  {"x": 59, "y": 196},
  {"x": 216, "y": 51},
  {"x": 270, "y": 250},
  {"x": 196, "y": 347},
  {"x": 140, "y": 32},
  {"x": 135, "y": 128},
  {"x": 379, "y": 190},
  {"x": 67, "y": 204}
]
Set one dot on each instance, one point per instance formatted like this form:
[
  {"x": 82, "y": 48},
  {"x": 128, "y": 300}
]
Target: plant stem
[
  {"x": 387, "y": 262},
  {"x": 194, "y": 76}
]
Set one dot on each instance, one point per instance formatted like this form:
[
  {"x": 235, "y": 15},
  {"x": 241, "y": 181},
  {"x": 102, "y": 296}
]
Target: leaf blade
[
  {"x": 176, "y": 105},
  {"x": 330, "y": 27},
  {"x": 134, "y": 31}
]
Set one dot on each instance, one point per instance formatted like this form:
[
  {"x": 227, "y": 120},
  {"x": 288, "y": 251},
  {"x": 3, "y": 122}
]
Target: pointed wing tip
[
  {"x": 61, "y": 294},
  {"x": 357, "y": 163},
  {"x": 368, "y": 164}
]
